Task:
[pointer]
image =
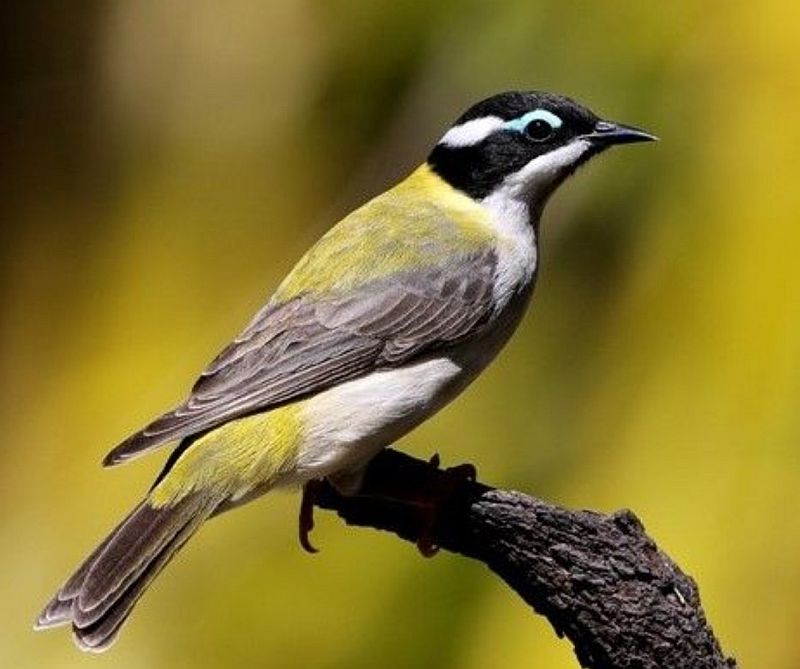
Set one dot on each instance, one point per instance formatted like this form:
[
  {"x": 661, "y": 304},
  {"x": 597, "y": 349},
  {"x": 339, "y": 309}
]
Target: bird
[{"x": 389, "y": 316}]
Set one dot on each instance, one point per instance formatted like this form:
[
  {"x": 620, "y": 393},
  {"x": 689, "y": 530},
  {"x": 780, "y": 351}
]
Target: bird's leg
[
  {"x": 346, "y": 483},
  {"x": 306, "y": 519}
]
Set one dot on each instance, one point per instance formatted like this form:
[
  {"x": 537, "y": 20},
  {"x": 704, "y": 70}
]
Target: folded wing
[{"x": 310, "y": 343}]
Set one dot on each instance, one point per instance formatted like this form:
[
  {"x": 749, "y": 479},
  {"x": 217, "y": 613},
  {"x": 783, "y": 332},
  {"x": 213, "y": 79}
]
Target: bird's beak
[{"x": 606, "y": 133}]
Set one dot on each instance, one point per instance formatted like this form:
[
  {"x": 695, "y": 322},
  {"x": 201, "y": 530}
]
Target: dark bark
[{"x": 599, "y": 579}]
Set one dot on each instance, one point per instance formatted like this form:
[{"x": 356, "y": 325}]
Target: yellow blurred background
[{"x": 163, "y": 165}]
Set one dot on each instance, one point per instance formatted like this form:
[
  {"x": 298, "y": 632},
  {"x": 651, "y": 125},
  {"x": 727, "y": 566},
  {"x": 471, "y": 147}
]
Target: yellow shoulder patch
[{"x": 415, "y": 224}]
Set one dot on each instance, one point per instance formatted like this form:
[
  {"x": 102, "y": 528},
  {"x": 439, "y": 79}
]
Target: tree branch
[{"x": 599, "y": 579}]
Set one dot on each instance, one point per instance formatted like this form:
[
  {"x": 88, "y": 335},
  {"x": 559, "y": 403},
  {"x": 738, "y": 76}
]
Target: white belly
[{"x": 347, "y": 425}]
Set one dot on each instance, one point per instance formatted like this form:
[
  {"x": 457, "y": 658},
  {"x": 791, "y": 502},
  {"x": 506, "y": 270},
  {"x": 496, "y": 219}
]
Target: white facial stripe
[
  {"x": 519, "y": 124},
  {"x": 540, "y": 172},
  {"x": 472, "y": 132}
]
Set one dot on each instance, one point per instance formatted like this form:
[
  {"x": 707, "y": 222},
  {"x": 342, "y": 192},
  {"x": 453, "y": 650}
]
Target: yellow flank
[
  {"x": 237, "y": 456},
  {"x": 415, "y": 224}
]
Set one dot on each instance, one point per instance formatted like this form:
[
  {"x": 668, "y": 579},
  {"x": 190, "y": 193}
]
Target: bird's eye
[
  {"x": 539, "y": 130},
  {"x": 538, "y": 125}
]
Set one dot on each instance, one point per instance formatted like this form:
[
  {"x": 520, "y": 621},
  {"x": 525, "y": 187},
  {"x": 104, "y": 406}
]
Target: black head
[{"x": 528, "y": 141}]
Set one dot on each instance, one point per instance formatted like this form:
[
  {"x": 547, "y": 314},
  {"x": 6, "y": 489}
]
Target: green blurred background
[{"x": 163, "y": 164}]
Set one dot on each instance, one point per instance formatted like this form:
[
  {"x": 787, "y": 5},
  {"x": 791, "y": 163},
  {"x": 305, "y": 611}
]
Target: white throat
[{"x": 515, "y": 207}]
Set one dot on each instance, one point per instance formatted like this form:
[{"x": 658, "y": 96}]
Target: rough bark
[{"x": 599, "y": 579}]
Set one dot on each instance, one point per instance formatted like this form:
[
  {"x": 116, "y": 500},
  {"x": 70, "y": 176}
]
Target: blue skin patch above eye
[{"x": 519, "y": 124}]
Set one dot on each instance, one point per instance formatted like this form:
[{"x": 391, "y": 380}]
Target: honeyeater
[{"x": 388, "y": 317}]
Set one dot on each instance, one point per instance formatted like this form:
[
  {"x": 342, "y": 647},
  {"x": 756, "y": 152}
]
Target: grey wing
[{"x": 307, "y": 345}]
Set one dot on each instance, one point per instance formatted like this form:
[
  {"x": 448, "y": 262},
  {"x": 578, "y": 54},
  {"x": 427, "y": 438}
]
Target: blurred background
[{"x": 163, "y": 164}]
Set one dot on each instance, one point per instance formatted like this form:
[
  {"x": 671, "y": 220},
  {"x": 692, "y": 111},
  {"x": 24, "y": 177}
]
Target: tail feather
[
  {"x": 98, "y": 598},
  {"x": 59, "y": 609},
  {"x": 138, "y": 543},
  {"x": 101, "y": 633}
]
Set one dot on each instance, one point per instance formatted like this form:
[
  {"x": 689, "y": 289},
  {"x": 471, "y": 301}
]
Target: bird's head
[{"x": 522, "y": 145}]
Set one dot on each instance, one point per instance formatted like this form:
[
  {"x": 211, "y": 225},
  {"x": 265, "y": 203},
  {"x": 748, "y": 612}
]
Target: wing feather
[{"x": 311, "y": 343}]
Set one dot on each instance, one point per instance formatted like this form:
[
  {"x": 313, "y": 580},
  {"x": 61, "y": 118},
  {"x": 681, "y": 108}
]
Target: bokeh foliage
[{"x": 164, "y": 163}]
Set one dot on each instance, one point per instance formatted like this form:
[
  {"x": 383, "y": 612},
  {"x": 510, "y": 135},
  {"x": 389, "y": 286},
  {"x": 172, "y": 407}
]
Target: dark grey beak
[{"x": 607, "y": 133}]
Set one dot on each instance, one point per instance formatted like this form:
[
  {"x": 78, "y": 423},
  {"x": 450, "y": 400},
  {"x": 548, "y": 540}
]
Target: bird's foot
[
  {"x": 306, "y": 519},
  {"x": 430, "y": 502},
  {"x": 433, "y": 502}
]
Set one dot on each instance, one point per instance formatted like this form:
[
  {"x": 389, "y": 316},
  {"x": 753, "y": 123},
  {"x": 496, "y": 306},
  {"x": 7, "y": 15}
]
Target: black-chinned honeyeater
[{"x": 387, "y": 318}]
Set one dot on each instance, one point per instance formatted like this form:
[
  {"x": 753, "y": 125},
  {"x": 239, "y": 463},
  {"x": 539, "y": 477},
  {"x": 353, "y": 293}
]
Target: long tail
[{"x": 99, "y": 597}]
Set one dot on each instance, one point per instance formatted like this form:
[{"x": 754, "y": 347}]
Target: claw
[
  {"x": 426, "y": 546},
  {"x": 306, "y": 519}
]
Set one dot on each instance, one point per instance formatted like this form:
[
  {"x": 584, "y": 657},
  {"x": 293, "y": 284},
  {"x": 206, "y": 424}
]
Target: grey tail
[{"x": 101, "y": 594}]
